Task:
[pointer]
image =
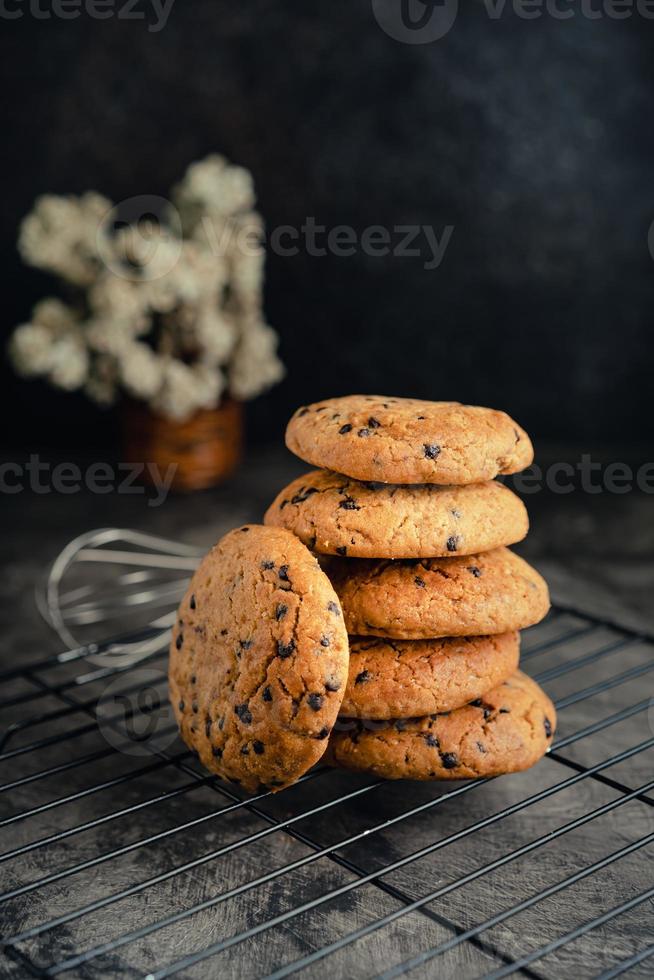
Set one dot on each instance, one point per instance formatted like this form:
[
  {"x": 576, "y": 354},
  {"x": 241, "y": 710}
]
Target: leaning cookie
[
  {"x": 493, "y": 592},
  {"x": 258, "y": 659},
  {"x": 507, "y": 730},
  {"x": 336, "y": 515},
  {"x": 404, "y": 440},
  {"x": 411, "y": 678}
]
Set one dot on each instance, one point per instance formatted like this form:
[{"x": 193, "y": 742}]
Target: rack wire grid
[{"x": 122, "y": 856}]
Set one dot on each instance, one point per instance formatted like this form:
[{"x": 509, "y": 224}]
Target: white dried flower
[
  {"x": 69, "y": 366},
  {"x": 30, "y": 349},
  {"x": 60, "y": 235},
  {"x": 212, "y": 187},
  {"x": 120, "y": 300},
  {"x": 215, "y": 333},
  {"x": 56, "y": 316},
  {"x": 198, "y": 299},
  {"x": 177, "y": 397},
  {"x": 141, "y": 371},
  {"x": 255, "y": 365},
  {"x": 210, "y": 385}
]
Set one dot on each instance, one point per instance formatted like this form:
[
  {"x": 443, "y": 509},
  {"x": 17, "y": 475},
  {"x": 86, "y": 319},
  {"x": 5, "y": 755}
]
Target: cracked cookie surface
[
  {"x": 507, "y": 730},
  {"x": 336, "y": 515},
  {"x": 258, "y": 659},
  {"x": 476, "y": 595},
  {"x": 408, "y": 678},
  {"x": 406, "y": 440}
]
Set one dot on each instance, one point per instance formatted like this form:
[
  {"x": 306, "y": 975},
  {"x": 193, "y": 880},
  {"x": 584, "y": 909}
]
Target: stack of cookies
[
  {"x": 414, "y": 530},
  {"x": 373, "y": 622}
]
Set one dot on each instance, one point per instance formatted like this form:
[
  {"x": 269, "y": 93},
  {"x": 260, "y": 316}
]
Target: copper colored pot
[{"x": 205, "y": 449}]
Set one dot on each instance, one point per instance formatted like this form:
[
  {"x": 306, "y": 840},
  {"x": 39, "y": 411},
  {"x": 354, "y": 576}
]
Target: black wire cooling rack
[{"x": 121, "y": 856}]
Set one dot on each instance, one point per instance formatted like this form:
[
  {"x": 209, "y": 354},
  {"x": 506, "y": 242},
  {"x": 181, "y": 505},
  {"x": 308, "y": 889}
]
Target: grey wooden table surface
[{"x": 597, "y": 552}]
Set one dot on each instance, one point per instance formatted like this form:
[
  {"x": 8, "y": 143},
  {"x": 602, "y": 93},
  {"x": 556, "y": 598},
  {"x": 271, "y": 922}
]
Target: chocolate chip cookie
[
  {"x": 336, "y": 515},
  {"x": 411, "y": 678},
  {"x": 404, "y": 440},
  {"x": 506, "y": 730},
  {"x": 475, "y": 595},
  {"x": 258, "y": 659}
]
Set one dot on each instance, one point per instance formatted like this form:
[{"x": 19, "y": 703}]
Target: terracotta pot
[{"x": 205, "y": 449}]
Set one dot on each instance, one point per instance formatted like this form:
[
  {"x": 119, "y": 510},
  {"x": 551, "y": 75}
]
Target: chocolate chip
[
  {"x": 194, "y": 707},
  {"x": 373, "y": 423},
  {"x": 223, "y": 632},
  {"x": 344, "y": 429},
  {"x": 431, "y": 451},
  {"x": 432, "y": 741},
  {"x": 453, "y": 543},
  {"x": 332, "y": 684},
  {"x": 246, "y": 644},
  {"x": 243, "y": 713},
  {"x": 323, "y": 733},
  {"x": 245, "y": 529},
  {"x": 474, "y": 571},
  {"x": 181, "y": 705},
  {"x": 362, "y": 433},
  {"x": 267, "y": 694},
  {"x": 324, "y": 641},
  {"x": 420, "y": 582},
  {"x": 221, "y": 723},
  {"x": 207, "y": 727},
  {"x": 420, "y": 417},
  {"x": 193, "y": 678},
  {"x": 284, "y": 650},
  {"x": 217, "y": 752},
  {"x": 449, "y": 760},
  {"x": 505, "y": 711},
  {"x": 342, "y": 551},
  {"x": 362, "y": 677},
  {"x": 245, "y": 750},
  {"x": 191, "y": 602},
  {"x": 315, "y": 701},
  {"x": 349, "y": 504},
  {"x": 481, "y": 747},
  {"x": 303, "y": 494},
  {"x": 283, "y": 573},
  {"x": 267, "y": 565},
  {"x": 258, "y": 747},
  {"x": 333, "y": 608},
  {"x": 548, "y": 727},
  {"x": 179, "y": 641},
  {"x": 280, "y": 611}
]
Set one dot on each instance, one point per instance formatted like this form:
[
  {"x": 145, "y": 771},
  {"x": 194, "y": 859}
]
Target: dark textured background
[{"x": 533, "y": 138}]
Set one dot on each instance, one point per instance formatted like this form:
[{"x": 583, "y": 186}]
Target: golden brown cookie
[
  {"x": 507, "y": 730},
  {"x": 258, "y": 659},
  {"x": 336, "y": 515},
  {"x": 404, "y": 440},
  {"x": 488, "y": 593},
  {"x": 411, "y": 678}
]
